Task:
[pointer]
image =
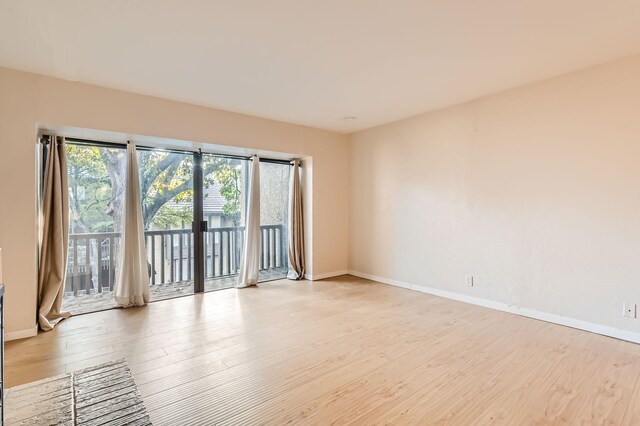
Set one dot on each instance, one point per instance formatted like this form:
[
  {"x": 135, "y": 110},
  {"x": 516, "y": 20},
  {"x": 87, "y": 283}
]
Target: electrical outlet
[
  {"x": 629, "y": 310},
  {"x": 469, "y": 280}
]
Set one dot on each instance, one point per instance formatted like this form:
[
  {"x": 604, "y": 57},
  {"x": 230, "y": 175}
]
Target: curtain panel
[
  {"x": 54, "y": 236},
  {"x": 250, "y": 263},
  {"x": 132, "y": 283},
  {"x": 296, "y": 226}
]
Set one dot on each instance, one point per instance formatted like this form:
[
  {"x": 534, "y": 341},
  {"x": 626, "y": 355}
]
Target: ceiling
[{"x": 315, "y": 62}]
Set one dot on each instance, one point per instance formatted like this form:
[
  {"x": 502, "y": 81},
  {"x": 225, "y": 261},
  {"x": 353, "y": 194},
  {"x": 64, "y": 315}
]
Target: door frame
[{"x": 199, "y": 226}]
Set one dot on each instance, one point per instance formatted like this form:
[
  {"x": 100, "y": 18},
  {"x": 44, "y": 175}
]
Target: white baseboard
[
  {"x": 324, "y": 276},
  {"x": 530, "y": 313},
  {"x": 21, "y": 334}
]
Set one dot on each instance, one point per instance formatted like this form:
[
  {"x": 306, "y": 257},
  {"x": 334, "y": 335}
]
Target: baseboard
[
  {"x": 529, "y": 313},
  {"x": 324, "y": 276},
  {"x": 21, "y": 334}
]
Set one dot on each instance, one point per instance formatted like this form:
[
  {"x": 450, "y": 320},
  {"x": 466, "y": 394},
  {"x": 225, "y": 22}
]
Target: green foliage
[
  {"x": 89, "y": 190},
  {"x": 172, "y": 217},
  {"x": 97, "y": 179},
  {"x": 229, "y": 176},
  {"x": 164, "y": 177}
]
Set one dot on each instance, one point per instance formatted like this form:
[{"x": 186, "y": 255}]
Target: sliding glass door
[
  {"x": 96, "y": 209},
  {"x": 166, "y": 184},
  {"x": 224, "y": 210},
  {"x": 194, "y": 210}
]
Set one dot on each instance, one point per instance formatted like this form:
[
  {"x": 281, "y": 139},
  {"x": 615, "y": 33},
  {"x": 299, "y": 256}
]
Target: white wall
[
  {"x": 29, "y": 100},
  {"x": 535, "y": 191}
]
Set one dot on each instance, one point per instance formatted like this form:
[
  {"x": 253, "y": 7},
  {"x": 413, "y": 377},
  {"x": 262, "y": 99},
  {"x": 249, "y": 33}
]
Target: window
[{"x": 178, "y": 189}]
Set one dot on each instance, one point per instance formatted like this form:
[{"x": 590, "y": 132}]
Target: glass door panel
[
  {"x": 96, "y": 197},
  {"x": 223, "y": 208},
  {"x": 166, "y": 184},
  {"x": 274, "y": 217}
]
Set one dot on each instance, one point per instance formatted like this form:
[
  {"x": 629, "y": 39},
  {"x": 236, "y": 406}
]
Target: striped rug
[{"x": 105, "y": 394}]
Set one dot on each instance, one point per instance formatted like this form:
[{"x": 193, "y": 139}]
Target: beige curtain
[
  {"x": 250, "y": 263},
  {"x": 296, "y": 227},
  {"x": 132, "y": 283},
  {"x": 54, "y": 236}
]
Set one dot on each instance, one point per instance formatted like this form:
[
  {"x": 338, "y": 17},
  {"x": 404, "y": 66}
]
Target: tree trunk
[{"x": 115, "y": 163}]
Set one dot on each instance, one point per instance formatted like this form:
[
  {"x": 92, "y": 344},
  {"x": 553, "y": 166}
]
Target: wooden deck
[
  {"x": 344, "y": 351},
  {"x": 101, "y": 301}
]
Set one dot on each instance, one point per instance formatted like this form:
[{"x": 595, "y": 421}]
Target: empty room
[{"x": 319, "y": 212}]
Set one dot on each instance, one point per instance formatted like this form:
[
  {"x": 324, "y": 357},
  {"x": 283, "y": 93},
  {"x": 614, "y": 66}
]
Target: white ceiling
[{"x": 314, "y": 62}]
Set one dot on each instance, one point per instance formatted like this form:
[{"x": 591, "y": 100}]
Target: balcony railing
[{"x": 92, "y": 261}]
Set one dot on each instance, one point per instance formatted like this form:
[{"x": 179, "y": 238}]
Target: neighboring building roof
[{"x": 213, "y": 200}]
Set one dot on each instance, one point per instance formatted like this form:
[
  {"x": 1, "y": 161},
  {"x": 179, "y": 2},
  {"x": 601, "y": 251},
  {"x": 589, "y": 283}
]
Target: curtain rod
[{"x": 45, "y": 140}]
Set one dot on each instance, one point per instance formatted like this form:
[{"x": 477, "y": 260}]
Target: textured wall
[{"x": 535, "y": 191}]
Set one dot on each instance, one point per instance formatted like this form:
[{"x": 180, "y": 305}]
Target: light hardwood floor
[{"x": 344, "y": 350}]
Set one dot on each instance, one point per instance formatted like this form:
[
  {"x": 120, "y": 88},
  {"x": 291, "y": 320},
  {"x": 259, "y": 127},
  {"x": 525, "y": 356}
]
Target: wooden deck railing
[{"x": 92, "y": 257}]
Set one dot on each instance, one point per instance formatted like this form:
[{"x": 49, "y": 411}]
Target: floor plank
[{"x": 344, "y": 351}]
